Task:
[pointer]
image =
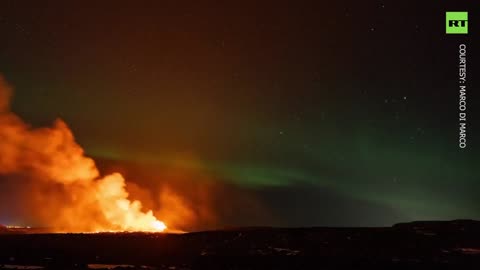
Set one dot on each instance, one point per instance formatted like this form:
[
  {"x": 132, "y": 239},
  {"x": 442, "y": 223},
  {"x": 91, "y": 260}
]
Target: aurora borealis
[{"x": 296, "y": 115}]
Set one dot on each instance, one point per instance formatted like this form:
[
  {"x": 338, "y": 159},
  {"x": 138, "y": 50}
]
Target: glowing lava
[{"x": 159, "y": 225}]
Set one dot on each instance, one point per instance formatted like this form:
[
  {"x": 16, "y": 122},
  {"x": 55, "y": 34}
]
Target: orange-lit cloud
[{"x": 66, "y": 190}]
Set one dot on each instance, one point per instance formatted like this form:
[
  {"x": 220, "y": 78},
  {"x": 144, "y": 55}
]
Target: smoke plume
[{"x": 64, "y": 186}]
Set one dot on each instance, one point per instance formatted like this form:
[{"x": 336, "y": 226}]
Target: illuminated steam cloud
[{"x": 65, "y": 188}]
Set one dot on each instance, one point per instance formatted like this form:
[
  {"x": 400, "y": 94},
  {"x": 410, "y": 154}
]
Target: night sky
[{"x": 333, "y": 113}]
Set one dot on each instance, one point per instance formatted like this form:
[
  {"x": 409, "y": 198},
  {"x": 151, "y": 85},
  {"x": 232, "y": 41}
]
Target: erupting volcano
[{"x": 66, "y": 189}]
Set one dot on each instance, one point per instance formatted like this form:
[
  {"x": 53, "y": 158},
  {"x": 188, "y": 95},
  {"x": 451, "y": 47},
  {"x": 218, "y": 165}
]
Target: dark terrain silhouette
[{"x": 407, "y": 245}]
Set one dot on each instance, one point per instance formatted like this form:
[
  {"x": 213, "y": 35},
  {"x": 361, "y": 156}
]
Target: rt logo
[{"x": 457, "y": 22}]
